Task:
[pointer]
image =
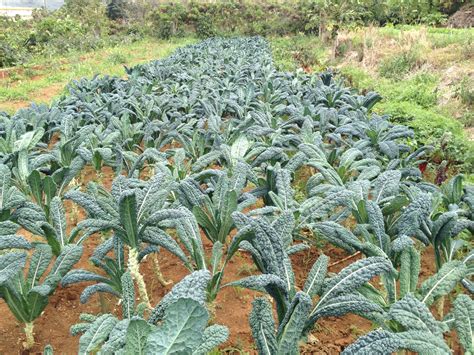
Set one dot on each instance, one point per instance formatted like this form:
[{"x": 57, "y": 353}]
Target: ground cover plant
[{"x": 212, "y": 155}]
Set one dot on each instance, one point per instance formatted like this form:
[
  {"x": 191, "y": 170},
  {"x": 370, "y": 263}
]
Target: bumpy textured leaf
[
  {"x": 158, "y": 237},
  {"x": 338, "y": 306},
  {"x": 89, "y": 291},
  {"x": 69, "y": 256},
  {"x": 443, "y": 282},
  {"x": 263, "y": 283},
  {"x": 212, "y": 337},
  {"x": 263, "y": 326},
  {"x": 316, "y": 207},
  {"x": 316, "y": 276},
  {"x": 296, "y": 248},
  {"x": 128, "y": 296},
  {"x": 80, "y": 275},
  {"x": 284, "y": 226},
  {"x": 354, "y": 276},
  {"x": 386, "y": 185},
  {"x": 283, "y": 185},
  {"x": 378, "y": 342},
  {"x": 413, "y": 216},
  {"x": 216, "y": 256},
  {"x": 410, "y": 264},
  {"x": 192, "y": 286},
  {"x": 117, "y": 337},
  {"x": 8, "y": 227},
  {"x": 153, "y": 195},
  {"x": 239, "y": 147},
  {"x": 415, "y": 315},
  {"x": 96, "y": 334},
  {"x": 79, "y": 328},
  {"x": 464, "y": 321},
  {"x": 92, "y": 226},
  {"x": 376, "y": 222},
  {"x": 5, "y": 183},
  {"x": 39, "y": 263},
  {"x": 291, "y": 327},
  {"x": 206, "y": 160},
  {"x": 128, "y": 218},
  {"x": 182, "y": 328},
  {"x": 272, "y": 251},
  {"x": 337, "y": 235},
  {"x": 13, "y": 242},
  {"x": 10, "y": 265},
  {"x": 382, "y": 342},
  {"x": 423, "y": 343},
  {"x": 59, "y": 220},
  {"x": 189, "y": 234},
  {"x": 84, "y": 200}
]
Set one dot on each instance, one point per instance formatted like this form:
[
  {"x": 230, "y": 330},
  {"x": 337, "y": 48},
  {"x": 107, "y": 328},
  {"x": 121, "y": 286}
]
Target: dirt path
[{"x": 45, "y": 95}]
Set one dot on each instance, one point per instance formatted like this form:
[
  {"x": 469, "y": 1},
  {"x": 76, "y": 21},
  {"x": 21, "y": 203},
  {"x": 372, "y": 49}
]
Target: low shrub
[
  {"x": 117, "y": 58},
  {"x": 419, "y": 89},
  {"x": 8, "y": 56},
  {"x": 465, "y": 90},
  {"x": 291, "y": 53},
  {"x": 400, "y": 64},
  {"x": 431, "y": 128},
  {"x": 413, "y": 102}
]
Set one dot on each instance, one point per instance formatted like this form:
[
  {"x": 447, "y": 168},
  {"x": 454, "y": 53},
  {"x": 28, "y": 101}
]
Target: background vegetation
[
  {"x": 424, "y": 74},
  {"x": 91, "y": 24},
  {"x": 397, "y": 48}
]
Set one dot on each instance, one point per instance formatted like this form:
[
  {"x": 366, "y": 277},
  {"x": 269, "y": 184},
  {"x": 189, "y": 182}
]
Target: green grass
[
  {"x": 409, "y": 90},
  {"x": 413, "y": 102},
  {"x": 44, "y": 80},
  {"x": 400, "y": 64},
  {"x": 291, "y": 53},
  {"x": 439, "y": 36}
]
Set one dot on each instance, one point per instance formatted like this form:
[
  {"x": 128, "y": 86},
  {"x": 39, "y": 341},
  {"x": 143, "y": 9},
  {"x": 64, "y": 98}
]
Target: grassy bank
[
  {"x": 425, "y": 75},
  {"x": 44, "y": 80}
]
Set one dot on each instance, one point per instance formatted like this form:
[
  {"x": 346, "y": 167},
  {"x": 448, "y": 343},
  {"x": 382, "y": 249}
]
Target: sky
[{"x": 50, "y": 4}]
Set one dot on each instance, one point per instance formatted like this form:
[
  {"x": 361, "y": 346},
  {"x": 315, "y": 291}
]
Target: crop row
[{"x": 214, "y": 140}]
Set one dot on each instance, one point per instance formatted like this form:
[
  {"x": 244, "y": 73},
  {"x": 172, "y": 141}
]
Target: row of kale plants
[{"x": 197, "y": 142}]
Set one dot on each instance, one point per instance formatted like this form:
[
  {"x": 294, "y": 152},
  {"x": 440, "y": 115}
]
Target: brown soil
[
  {"x": 231, "y": 308},
  {"x": 7, "y": 72},
  {"x": 464, "y": 18},
  {"x": 13, "y": 106},
  {"x": 44, "y": 95}
]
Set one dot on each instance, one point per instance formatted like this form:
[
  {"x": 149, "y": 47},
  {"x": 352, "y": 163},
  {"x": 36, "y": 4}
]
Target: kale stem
[
  {"x": 134, "y": 268},
  {"x": 30, "y": 338}
]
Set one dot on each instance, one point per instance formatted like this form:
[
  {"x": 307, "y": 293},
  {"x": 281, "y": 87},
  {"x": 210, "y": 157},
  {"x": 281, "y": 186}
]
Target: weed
[
  {"x": 465, "y": 90},
  {"x": 356, "y": 331},
  {"x": 431, "y": 128},
  {"x": 467, "y": 118},
  {"x": 400, "y": 64},
  {"x": 467, "y": 50},
  {"x": 246, "y": 270},
  {"x": 117, "y": 58}
]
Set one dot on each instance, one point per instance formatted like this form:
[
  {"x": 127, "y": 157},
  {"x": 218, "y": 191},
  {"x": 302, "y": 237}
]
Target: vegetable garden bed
[{"x": 210, "y": 201}]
